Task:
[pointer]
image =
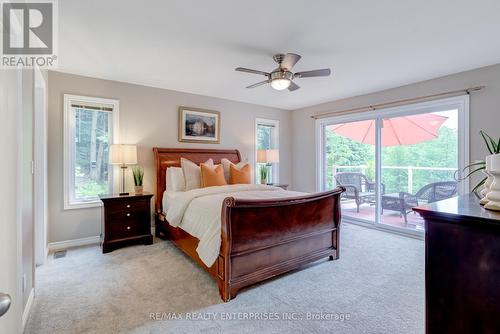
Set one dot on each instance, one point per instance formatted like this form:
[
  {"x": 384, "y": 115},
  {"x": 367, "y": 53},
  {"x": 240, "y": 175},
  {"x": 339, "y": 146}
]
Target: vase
[
  {"x": 488, "y": 182},
  {"x": 493, "y": 195},
  {"x": 263, "y": 181},
  {"x": 138, "y": 189}
]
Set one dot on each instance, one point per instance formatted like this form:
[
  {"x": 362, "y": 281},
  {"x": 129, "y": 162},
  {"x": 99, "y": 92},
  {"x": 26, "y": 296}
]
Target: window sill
[{"x": 82, "y": 205}]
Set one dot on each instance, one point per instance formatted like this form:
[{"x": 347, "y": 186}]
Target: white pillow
[
  {"x": 226, "y": 165},
  {"x": 175, "y": 179},
  {"x": 192, "y": 173}
]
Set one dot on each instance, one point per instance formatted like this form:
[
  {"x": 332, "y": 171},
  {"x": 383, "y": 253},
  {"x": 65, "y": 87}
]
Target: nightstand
[
  {"x": 281, "y": 185},
  {"x": 126, "y": 220}
]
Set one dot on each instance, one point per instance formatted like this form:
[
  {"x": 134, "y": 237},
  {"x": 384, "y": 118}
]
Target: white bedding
[
  {"x": 198, "y": 212},
  {"x": 168, "y": 198}
]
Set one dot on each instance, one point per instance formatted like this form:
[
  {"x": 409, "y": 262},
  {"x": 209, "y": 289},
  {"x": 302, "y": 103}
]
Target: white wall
[
  {"x": 484, "y": 115},
  {"x": 28, "y": 227},
  {"x": 148, "y": 117},
  {"x": 11, "y": 198}
]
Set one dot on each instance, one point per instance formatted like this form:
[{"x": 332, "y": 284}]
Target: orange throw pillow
[
  {"x": 211, "y": 176},
  {"x": 239, "y": 175}
]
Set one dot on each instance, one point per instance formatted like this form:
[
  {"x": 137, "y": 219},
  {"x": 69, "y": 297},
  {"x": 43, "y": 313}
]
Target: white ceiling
[{"x": 194, "y": 46}]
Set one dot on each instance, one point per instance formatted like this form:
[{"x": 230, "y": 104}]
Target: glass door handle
[{"x": 4, "y": 303}]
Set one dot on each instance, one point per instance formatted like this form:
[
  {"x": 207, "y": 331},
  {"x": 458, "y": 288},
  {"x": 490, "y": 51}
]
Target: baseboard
[
  {"x": 27, "y": 308},
  {"x": 388, "y": 229},
  {"x": 60, "y": 245}
]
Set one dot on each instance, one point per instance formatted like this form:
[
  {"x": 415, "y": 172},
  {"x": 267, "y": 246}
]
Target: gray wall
[
  {"x": 484, "y": 115},
  {"x": 148, "y": 117}
]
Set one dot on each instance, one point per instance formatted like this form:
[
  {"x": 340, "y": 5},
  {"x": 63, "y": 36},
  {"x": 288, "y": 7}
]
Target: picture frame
[{"x": 199, "y": 125}]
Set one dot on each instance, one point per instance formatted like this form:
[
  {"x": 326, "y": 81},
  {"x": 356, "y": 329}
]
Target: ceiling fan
[{"x": 282, "y": 77}]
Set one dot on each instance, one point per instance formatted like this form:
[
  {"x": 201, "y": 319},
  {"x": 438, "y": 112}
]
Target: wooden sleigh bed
[{"x": 260, "y": 238}]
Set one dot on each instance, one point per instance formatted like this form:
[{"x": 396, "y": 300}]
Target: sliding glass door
[{"x": 392, "y": 160}]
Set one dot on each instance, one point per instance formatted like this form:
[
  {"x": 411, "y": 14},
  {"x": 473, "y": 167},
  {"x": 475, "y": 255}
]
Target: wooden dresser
[
  {"x": 126, "y": 220},
  {"x": 462, "y": 266}
]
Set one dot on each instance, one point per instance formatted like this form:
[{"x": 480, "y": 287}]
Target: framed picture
[{"x": 199, "y": 125}]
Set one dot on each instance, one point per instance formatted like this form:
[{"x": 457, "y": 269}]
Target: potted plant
[
  {"x": 263, "y": 174},
  {"x": 138, "y": 173},
  {"x": 493, "y": 147}
]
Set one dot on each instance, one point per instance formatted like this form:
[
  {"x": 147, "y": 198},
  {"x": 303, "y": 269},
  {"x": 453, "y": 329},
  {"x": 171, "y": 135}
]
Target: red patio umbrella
[{"x": 403, "y": 130}]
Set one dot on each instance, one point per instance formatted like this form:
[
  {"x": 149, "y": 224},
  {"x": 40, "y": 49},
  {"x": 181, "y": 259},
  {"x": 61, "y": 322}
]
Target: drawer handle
[
  {"x": 128, "y": 214},
  {"x": 128, "y": 205},
  {"x": 128, "y": 227}
]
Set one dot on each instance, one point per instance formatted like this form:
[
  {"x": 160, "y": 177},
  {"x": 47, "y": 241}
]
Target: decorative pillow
[
  {"x": 211, "y": 176},
  {"x": 239, "y": 175},
  {"x": 175, "y": 179},
  {"x": 192, "y": 176},
  {"x": 226, "y": 163}
]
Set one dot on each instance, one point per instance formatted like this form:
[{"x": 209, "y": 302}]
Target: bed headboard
[{"x": 171, "y": 157}]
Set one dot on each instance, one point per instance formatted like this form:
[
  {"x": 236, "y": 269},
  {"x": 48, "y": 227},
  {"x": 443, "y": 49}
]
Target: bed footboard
[{"x": 265, "y": 238}]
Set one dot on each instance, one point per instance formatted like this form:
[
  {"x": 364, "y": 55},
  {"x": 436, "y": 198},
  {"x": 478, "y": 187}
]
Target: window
[
  {"x": 393, "y": 159},
  {"x": 266, "y": 138},
  {"x": 90, "y": 127}
]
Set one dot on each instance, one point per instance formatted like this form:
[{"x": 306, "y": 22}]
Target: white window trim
[
  {"x": 68, "y": 152},
  {"x": 275, "y": 167},
  {"x": 461, "y": 103}
]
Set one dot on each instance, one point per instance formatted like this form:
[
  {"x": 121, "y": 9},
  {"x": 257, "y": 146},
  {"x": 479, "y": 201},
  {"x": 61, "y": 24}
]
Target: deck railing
[{"x": 409, "y": 169}]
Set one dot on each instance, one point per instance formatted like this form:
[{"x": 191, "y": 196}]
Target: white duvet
[{"x": 198, "y": 212}]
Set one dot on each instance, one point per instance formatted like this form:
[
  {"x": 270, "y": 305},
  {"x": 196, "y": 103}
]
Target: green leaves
[
  {"x": 138, "y": 173},
  {"x": 492, "y": 145},
  {"x": 263, "y": 172},
  {"x": 479, "y": 184}
]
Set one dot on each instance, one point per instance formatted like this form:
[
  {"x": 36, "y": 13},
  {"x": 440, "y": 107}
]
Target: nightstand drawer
[
  {"x": 124, "y": 230},
  {"x": 128, "y": 217},
  {"x": 127, "y": 206}
]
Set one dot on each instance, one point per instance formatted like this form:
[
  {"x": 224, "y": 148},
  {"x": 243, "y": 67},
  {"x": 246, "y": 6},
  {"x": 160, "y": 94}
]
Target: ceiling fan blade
[
  {"x": 258, "y": 84},
  {"x": 293, "y": 86},
  {"x": 314, "y": 73},
  {"x": 290, "y": 60},
  {"x": 248, "y": 70}
]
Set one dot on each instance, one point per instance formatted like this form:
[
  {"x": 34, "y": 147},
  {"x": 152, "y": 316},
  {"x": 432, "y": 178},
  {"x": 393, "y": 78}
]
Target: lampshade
[
  {"x": 120, "y": 154},
  {"x": 268, "y": 156}
]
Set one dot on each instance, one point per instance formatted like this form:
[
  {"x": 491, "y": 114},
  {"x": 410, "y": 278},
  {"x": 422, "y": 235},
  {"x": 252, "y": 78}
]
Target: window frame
[
  {"x": 69, "y": 161},
  {"x": 461, "y": 103},
  {"x": 275, "y": 167}
]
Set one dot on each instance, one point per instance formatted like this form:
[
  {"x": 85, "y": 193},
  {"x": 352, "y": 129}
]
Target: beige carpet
[{"x": 377, "y": 286}]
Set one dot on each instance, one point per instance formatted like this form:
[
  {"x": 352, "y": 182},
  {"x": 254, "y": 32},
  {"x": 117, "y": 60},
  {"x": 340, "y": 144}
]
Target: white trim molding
[
  {"x": 69, "y": 126},
  {"x": 276, "y": 145},
  {"x": 60, "y": 245},
  {"x": 27, "y": 308},
  {"x": 40, "y": 166},
  {"x": 460, "y": 103}
]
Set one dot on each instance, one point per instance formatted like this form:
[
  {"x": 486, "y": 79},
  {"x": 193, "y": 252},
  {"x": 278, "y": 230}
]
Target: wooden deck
[{"x": 393, "y": 218}]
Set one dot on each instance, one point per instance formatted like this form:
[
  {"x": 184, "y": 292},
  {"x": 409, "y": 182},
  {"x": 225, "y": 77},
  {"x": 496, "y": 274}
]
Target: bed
[{"x": 259, "y": 238}]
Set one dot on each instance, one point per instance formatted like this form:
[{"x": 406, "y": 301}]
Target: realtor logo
[{"x": 29, "y": 34}]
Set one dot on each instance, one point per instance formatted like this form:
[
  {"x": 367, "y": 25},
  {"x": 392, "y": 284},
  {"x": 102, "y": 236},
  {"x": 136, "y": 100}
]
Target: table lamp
[{"x": 123, "y": 155}]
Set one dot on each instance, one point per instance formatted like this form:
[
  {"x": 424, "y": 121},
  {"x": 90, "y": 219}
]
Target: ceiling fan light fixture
[
  {"x": 281, "y": 80},
  {"x": 282, "y": 77},
  {"x": 280, "y": 84}
]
